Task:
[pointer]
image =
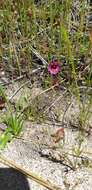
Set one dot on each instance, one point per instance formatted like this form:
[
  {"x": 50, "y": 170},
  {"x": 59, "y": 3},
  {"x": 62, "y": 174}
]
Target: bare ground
[{"x": 35, "y": 150}]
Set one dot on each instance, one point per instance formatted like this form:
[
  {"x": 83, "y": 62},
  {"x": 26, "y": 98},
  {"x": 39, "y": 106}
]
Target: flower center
[{"x": 54, "y": 66}]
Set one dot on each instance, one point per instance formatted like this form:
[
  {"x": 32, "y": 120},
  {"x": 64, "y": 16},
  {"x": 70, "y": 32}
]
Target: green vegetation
[
  {"x": 32, "y": 34},
  {"x": 13, "y": 128}
]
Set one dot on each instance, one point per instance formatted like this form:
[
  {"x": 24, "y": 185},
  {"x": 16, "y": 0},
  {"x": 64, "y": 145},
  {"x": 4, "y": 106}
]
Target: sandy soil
[{"x": 36, "y": 151}]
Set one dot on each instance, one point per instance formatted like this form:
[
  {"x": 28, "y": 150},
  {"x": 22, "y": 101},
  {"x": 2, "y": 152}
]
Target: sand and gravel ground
[{"x": 34, "y": 151}]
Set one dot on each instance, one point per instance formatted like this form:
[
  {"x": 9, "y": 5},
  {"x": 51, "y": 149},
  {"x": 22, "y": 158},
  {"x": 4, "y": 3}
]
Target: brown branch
[{"x": 29, "y": 174}]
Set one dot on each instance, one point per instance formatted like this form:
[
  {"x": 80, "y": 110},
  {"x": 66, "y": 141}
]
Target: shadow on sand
[{"x": 11, "y": 179}]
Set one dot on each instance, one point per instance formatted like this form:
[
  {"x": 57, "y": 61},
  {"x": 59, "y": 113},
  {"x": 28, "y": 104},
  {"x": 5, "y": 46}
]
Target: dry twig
[
  {"x": 55, "y": 101},
  {"x": 29, "y": 174}
]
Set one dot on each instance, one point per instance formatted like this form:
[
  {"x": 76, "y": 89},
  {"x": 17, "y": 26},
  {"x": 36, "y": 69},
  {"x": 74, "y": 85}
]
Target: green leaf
[{"x": 4, "y": 139}]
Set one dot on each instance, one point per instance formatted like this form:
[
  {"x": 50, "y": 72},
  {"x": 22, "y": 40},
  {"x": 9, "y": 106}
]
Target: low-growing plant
[
  {"x": 2, "y": 92},
  {"x": 3, "y": 98},
  {"x": 14, "y": 126}
]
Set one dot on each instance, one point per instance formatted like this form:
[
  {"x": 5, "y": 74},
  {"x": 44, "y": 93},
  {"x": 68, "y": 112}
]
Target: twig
[
  {"x": 38, "y": 56},
  {"x": 33, "y": 72},
  {"x": 18, "y": 90},
  {"x": 56, "y": 160},
  {"x": 29, "y": 174},
  {"x": 36, "y": 53},
  {"x": 12, "y": 81},
  {"x": 85, "y": 87},
  {"x": 55, "y": 102},
  {"x": 47, "y": 90},
  {"x": 51, "y": 88}
]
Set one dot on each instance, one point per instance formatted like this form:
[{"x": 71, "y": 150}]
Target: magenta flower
[{"x": 53, "y": 67}]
